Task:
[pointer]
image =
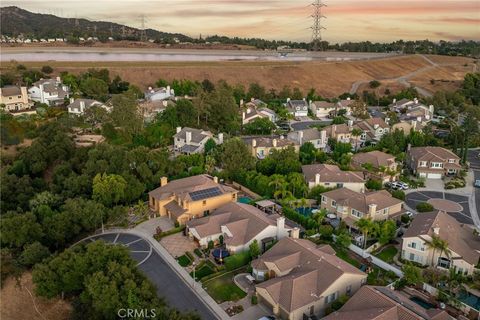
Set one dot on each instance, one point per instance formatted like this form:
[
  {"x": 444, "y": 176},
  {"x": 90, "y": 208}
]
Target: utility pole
[{"x": 317, "y": 24}]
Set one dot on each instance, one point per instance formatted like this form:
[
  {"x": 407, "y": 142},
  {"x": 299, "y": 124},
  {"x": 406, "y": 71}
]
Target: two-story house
[
  {"x": 250, "y": 114},
  {"x": 341, "y": 133},
  {"x": 49, "y": 91},
  {"x": 372, "y": 129},
  {"x": 78, "y": 107},
  {"x": 463, "y": 254},
  {"x": 192, "y": 197},
  {"x": 240, "y": 224},
  {"x": 317, "y": 137},
  {"x": 261, "y": 147},
  {"x": 322, "y": 109},
  {"x": 297, "y": 108},
  {"x": 301, "y": 279},
  {"x": 432, "y": 162},
  {"x": 15, "y": 98},
  {"x": 155, "y": 94},
  {"x": 330, "y": 176},
  {"x": 191, "y": 140},
  {"x": 351, "y": 206},
  {"x": 376, "y": 165}
]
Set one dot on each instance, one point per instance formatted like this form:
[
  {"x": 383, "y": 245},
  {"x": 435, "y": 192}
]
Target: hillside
[
  {"x": 329, "y": 79},
  {"x": 15, "y": 21}
]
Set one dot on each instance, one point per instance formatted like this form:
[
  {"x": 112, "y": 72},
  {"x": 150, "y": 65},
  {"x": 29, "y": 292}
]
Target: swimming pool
[
  {"x": 244, "y": 200},
  {"x": 307, "y": 212},
  {"x": 422, "y": 303},
  {"x": 469, "y": 299}
]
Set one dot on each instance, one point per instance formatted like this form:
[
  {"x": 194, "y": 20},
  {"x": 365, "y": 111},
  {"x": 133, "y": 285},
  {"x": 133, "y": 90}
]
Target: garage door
[
  {"x": 434, "y": 176},
  {"x": 423, "y": 174}
]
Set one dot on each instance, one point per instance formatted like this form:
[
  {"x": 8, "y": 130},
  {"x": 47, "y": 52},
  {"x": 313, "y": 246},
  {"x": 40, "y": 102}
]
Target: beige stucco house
[
  {"x": 463, "y": 245},
  {"x": 351, "y": 206},
  {"x": 192, "y": 197},
  {"x": 330, "y": 176},
  {"x": 302, "y": 279},
  {"x": 15, "y": 98},
  {"x": 376, "y": 165},
  {"x": 240, "y": 224},
  {"x": 261, "y": 147},
  {"x": 433, "y": 162}
]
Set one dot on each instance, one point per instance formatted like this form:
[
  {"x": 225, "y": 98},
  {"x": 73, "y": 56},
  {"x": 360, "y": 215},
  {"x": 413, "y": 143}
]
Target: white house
[
  {"x": 240, "y": 224},
  {"x": 322, "y": 109},
  {"x": 315, "y": 136},
  {"x": 155, "y": 94},
  {"x": 78, "y": 106},
  {"x": 191, "y": 140},
  {"x": 49, "y": 91},
  {"x": 297, "y": 108}
]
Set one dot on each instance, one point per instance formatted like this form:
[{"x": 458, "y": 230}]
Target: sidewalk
[{"x": 196, "y": 287}]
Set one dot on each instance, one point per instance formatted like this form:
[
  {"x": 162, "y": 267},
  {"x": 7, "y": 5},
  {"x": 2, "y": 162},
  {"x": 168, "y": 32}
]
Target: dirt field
[
  {"x": 329, "y": 79},
  {"x": 17, "y": 302}
]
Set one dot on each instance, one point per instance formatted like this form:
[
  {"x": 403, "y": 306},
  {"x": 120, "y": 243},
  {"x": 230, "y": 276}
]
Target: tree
[
  {"x": 235, "y": 157},
  {"x": 33, "y": 253},
  {"x": 259, "y": 126},
  {"x": 254, "y": 249},
  {"x": 356, "y": 133},
  {"x": 374, "y": 84},
  {"x": 47, "y": 69},
  {"x": 319, "y": 217},
  {"x": 440, "y": 245},
  {"x": 94, "y": 88},
  {"x": 308, "y": 153},
  {"x": 210, "y": 146},
  {"x": 109, "y": 188},
  {"x": 338, "y": 120},
  {"x": 374, "y": 184},
  {"x": 125, "y": 115},
  {"x": 344, "y": 239},
  {"x": 366, "y": 226},
  {"x": 424, "y": 207},
  {"x": 296, "y": 182},
  {"x": 18, "y": 230},
  {"x": 412, "y": 274},
  {"x": 387, "y": 231}
]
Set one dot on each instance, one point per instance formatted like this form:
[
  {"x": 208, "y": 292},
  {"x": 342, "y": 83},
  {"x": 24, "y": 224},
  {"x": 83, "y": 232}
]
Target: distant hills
[{"x": 16, "y": 21}]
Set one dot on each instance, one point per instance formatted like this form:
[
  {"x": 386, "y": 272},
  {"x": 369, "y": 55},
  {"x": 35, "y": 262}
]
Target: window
[
  {"x": 413, "y": 245},
  {"x": 326, "y": 183},
  {"x": 324, "y": 199},
  {"x": 348, "y": 291},
  {"x": 437, "y": 165},
  {"x": 444, "y": 263},
  {"x": 412, "y": 257},
  {"x": 234, "y": 196},
  {"x": 339, "y": 185},
  {"x": 206, "y": 213},
  {"x": 423, "y": 163},
  {"x": 385, "y": 211},
  {"x": 204, "y": 202},
  {"x": 357, "y": 213},
  {"x": 334, "y": 203},
  {"x": 331, "y": 298},
  {"x": 451, "y": 160}
]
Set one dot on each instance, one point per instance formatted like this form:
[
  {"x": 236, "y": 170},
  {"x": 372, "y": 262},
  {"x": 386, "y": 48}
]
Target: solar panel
[{"x": 205, "y": 194}]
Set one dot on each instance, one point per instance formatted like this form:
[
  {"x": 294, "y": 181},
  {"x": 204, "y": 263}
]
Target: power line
[
  {"x": 317, "y": 24},
  {"x": 143, "y": 31}
]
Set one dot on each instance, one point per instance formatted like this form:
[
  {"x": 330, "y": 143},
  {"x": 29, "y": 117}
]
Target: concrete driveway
[
  {"x": 177, "y": 244},
  {"x": 456, "y": 205},
  {"x": 150, "y": 226},
  {"x": 168, "y": 283}
]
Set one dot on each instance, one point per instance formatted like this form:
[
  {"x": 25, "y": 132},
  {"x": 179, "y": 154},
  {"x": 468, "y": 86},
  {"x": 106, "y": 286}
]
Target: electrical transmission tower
[
  {"x": 143, "y": 31},
  {"x": 317, "y": 24}
]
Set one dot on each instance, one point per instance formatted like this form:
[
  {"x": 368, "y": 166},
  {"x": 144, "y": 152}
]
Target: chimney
[
  {"x": 317, "y": 179},
  {"x": 58, "y": 79},
  {"x": 394, "y": 100},
  {"x": 372, "y": 209},
  {"x": 436, "y": 230},
  {"x": 431, "y": 109},
  {"x": 350, "y": 123},
  {"x": 179, "y": 129},
  {"x": 348, "y": 99},
  {"x": 334, "y": 129},
  {"x": 310, "y": 102},
  {"x": 252, "y": 99},
  {"x": 150, "y": 88},
  {"x": 304, "y": 99},
  {"x": 71, "y": 100},
  {"x": 274, "y": 143},
  {"x": 288, "y": 100},
  {"x": 168, "y": 89},
  {"x": 295, "y": 234},
  {"x": 415, "y": 100},
  {"x": 215, "y": 179},
  {"x": 243, "y": 115},
  {"x": 409, "y": 146},
  {"x": 241, "y": 102},
  {"x": 220, "y": 138},
  {"x": 165, "y": 103},
  {"x": 82, "y": 105},
  {"x": 387, "y": 121},
  {"x": 419, "y": 119},
  {"x": 163, "y": 181},
  {"x": 375, "y": 126},
  {"x": 280, "y": 227},
  {"x": 300, "y": 137},
  {"x": 414, "y": 124},
  {"x": 254, "y": 143},
  {"x": 188, "y": 136},
  {"x": 249, "y": 110}
]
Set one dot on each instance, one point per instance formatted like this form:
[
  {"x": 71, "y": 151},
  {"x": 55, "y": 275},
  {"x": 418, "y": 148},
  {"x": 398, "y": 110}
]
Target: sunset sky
[{"x": 347, "y": 20}]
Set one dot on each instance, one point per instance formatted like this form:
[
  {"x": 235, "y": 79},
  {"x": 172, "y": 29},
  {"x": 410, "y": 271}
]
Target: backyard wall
[{"x": 376, "y": 261}]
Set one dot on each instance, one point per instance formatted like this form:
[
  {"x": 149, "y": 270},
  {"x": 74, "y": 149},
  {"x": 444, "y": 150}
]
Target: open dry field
[
  {"x": 329, "y": 79},
  {"x": 18, "y": 302}
]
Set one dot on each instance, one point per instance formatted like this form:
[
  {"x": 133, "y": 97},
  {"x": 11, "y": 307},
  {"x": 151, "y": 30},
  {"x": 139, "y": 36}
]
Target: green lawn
[
  {"x": 201, "y": 271},
  {"x": 184, "y": 261},
  {"x": 387, "y": 254},
  {"x": 224, "y": 289},
  {"x": 343, "y": 254}
]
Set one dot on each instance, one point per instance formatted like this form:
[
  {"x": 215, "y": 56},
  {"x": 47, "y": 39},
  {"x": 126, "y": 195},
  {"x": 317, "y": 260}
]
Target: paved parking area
[
  {"x": 150, "y": 226},
  {"x": 455, "y": 205},
  {"x": 177, "y": 244}
]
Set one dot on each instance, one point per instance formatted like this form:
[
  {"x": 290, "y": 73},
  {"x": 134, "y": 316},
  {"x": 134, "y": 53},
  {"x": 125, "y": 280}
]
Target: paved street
[
  {"x": 169, "y": 285},
  {"x": 455, "y": 205}
]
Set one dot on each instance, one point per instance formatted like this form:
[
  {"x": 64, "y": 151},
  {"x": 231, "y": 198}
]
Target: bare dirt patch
[{"x": 18, "y": 302}]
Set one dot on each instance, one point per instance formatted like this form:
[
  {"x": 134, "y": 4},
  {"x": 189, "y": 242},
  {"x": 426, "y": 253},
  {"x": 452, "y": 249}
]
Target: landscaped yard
[
  {"x": 387, "y": 254},
  {"x": 202, "y": 270},
  {"x": 184, "y": 261},
  {"x": 224, "y": 289},
  {"x": 343, "y": 254}
]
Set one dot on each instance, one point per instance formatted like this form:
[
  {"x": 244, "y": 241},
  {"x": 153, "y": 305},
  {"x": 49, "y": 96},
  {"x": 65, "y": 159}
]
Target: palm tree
[
  {"x": 366, "y": 226},
  {"x": 296, "y": 182},
  {"x": 319, "y": 217},
  {"x": 277, "y": 180},
  {"x": 356, "y": 132},
  {"x": 438, "y": 244},
  {"x": 282, "y": 192}
]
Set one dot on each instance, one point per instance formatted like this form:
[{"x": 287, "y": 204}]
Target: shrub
[
  {"x": 184, "y": 261},
  {"x": 169, "y": 232},
  {"x": 190, "y": 256},
  {"x": 374, "y": 184},
  {"x": 198, "y": 253},
  {"x": 374, "y": 84},
  {"x": 424, "y": 207},
  {"x": 47, "y": 69},
  {"x": 237, "y": 260},
  {"x": 254, "y": 300},
  {"x": 399, "y": 194},
  {"x": 337, "y": 304},
  {"x": 405, "y": 219},
  {"x": 220, "y": 239},
  {"x": 210, "y": 244}
]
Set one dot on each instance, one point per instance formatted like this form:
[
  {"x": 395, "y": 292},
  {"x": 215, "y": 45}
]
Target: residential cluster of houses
[
  {"x": 8, "y": 39},
  {"x": 298, "y": 279}
]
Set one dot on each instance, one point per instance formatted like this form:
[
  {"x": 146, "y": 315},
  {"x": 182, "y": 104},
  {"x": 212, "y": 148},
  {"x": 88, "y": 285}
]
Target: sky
[{"x": 346, "y": 20}]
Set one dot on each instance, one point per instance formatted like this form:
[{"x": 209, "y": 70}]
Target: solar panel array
[{"x": 205, "y": 194}]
